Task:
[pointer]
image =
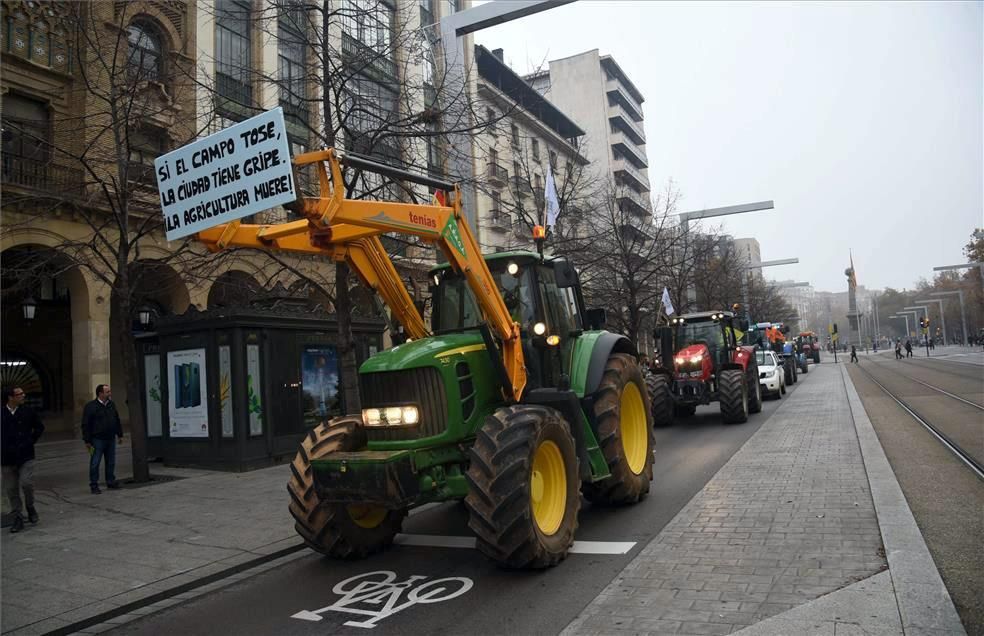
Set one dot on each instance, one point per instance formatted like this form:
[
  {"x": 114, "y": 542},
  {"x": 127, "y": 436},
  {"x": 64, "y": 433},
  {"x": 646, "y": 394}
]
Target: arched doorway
[
  {"x": 41, "y": 354},
  {"x": 234, "y": 288}
]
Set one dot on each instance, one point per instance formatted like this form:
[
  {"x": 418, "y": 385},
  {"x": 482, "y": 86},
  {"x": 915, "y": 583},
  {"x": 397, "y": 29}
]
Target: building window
[
  {"x": 291, "y": 50},
  {"x": 26, "y": 129},
  {"x": 233, "y": 56},
  {"x": 490, "y": 120},
  {"x": 371, "y": 23},
  {"x": 146, "y": 60},
  {"x": 144, "y": 145},
  {"x": 553, "y": 159},
  {"x": 452, "y": 6},
  {"x": 515, "y": 136},
  {"x": 427, "y": 13},
  {"x": 536, "y": 148}
]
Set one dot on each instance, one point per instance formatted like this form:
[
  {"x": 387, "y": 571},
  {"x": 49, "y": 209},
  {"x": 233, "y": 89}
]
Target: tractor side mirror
[
  {"x": 565, "y": 274},
  {"x": 595, "y": 318}
]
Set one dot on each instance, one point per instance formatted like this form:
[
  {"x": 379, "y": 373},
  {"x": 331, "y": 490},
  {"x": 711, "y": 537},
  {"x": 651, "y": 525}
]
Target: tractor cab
[
  {"x": 702, "y": 341},
  {"x": 543, "y": 297}
]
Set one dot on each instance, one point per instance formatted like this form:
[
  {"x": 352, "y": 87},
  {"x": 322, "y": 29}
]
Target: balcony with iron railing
[
  {"x": 233, "y": 97},
  {"x": 625, "y": 147},
  {"x": 628, "y": 173},
  {"x": 496, "y": 174},
  {"x": 500, "y": 220},
  {"x": 373, "y": 63},
  {"x": 34, "y": 174}
]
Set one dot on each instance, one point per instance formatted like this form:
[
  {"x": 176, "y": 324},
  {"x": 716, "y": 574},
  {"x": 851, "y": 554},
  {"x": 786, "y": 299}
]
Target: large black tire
[
  {"x": 660, "y": 398},
  {"x": 805, "y": 367},
  {"x": 787, "y": 370},
  {"x": 338, "y": 530},
  {"x": 754, "y": 388},
  {"x": 795, "y": 370},
  {"x": 684, "y": 410},
  {"x": 733, "y": 393},
  {"x": 816, "y": 357},
  {"x": 628, "y": 483},
  {"x": 501, "y": 475}
]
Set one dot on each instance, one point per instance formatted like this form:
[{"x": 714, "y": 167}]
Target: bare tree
[{"x": 129, "y": 112}]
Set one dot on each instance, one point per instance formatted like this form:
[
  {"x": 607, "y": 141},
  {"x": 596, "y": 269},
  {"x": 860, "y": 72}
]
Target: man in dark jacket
[
  {"x": 21, "y": 428},
  {"x": 100, "y": 424}
]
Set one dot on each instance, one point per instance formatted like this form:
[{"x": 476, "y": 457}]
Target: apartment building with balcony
[
  {"x": 526, "y": 133},
  {"x": 595, "y": 92},
  {"x": 189, "y": 68}
]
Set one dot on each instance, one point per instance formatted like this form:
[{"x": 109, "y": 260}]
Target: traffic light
[{"x": 835, "y": 327}]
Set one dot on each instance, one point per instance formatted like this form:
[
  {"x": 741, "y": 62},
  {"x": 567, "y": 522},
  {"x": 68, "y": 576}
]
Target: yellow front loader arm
[{"x": 348, "y": 230}]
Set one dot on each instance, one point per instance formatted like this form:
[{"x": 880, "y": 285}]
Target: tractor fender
[{"x": 604, "y": 346}]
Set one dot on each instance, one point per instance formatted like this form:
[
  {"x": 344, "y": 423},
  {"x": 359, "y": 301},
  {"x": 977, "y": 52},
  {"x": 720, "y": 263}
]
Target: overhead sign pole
[{"x": 453, "y": 27}]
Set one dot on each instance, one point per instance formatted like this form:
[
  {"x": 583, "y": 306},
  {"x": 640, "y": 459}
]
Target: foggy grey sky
[{"x": 863, "y": 121}]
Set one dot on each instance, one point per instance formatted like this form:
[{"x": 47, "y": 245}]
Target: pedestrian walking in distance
[
  {"x": 100, "y": 425},
  {"x": 908, "y": 348},
  {"x": 21, "y": 429},
  {"x": 854, "y": 354},
  {"x": 898, "y": 350}
]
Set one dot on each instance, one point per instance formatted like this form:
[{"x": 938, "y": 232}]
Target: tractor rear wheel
[
  {"x": 794, "y": 365},
  {"x": 661, "y": 399},
  {"x": 523, "y": 487},
  {"x": 733, "y": 393},
  {"x": 754, "y": 388},
  {"x": 787, "y": 370},
  {"x": 805, "y": 367},
  {"x": 816, "y": 356},
  {"x": 625, "y": 434},
  {"x": 347, "y": 531}
]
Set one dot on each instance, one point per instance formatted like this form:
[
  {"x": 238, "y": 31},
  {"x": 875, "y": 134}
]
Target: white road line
[{"x": 579, "y": 547}]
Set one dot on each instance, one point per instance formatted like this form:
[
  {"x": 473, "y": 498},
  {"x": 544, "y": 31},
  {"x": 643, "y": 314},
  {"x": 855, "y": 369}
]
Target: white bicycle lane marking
[
  {"x": 377, "y": 596},
  {"x": 579, "y": 547}
]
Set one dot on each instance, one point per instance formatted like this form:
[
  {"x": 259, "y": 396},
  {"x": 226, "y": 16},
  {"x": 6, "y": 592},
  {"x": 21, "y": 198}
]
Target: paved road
[
  {"x": 688, "y": 455},
  {"x": 946, "y": 498}
]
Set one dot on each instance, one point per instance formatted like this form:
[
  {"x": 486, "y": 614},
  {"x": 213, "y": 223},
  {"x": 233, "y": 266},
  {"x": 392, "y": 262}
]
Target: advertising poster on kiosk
[
  {"x": 187, "y": 403},
  {"x": 319, "y": 379}
]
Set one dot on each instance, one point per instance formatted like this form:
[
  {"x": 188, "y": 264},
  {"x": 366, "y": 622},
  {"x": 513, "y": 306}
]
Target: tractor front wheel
[
  {"x": 661, "y": 399},
  {"x": 734, "y": 396},
  {"x": 523, "y": 487},
  {"x": 787, "y": 370},
  {"x": 347, "y": 531},
  {"x": 625, "y": 434},
  {"x": 754, "y": 388}
]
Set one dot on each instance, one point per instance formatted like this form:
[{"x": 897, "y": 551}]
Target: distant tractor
[
  {"x": 809, "y": 344},
  {"x": 771, "y": 336},
  {"x": 703, "y": 363}
]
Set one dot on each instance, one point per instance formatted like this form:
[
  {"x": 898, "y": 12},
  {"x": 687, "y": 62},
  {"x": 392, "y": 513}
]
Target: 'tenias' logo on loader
[{"x": 423, "y": 220}]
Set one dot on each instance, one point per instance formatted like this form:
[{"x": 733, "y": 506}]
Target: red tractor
[
  {"x": 707, "y": 365},
  {"x": 809, "y": 344}
]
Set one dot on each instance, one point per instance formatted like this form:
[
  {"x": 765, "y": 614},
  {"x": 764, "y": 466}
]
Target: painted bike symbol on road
[{"x": 374, "y": 594}]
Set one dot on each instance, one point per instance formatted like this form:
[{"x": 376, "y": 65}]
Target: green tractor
[{"x": 435, "y": 426}]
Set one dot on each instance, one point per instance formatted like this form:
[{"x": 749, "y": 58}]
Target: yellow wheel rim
[
  {"x": 365, "y": 515},
  {"x": 634, "y": 428},
  {"x": 548, "y": 488}
]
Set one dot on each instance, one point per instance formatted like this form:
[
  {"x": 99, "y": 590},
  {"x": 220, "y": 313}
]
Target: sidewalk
[
  {"x": 93, "y": 553},
  {"x": 790, "y": 537}
]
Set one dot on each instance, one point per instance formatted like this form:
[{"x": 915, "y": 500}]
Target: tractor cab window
[
  {"x": 709, "y": 333},
  {"x": 559, "y": 304},
  {"x": 457, "y": 309}
]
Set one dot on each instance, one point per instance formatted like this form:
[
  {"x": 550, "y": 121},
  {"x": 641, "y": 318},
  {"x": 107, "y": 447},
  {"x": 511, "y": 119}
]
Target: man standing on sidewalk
[
  {"x": 21, "y": 428},
  {"x": 100, "y": 424}
]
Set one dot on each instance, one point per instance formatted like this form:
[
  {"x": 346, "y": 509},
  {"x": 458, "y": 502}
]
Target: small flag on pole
[
  {"x": 551, "y": 204},
  {"x": 667, "y": 305}
]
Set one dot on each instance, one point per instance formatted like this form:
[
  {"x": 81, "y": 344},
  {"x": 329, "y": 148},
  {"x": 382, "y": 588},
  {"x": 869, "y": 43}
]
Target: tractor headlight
[
  {"x": 679, "y": 359},
  {"x": 512, "y": 268},
  {"x": 539, "y": 329},
  {"x": 391, "y": 416},
  {"x": 697, "y": 358}
]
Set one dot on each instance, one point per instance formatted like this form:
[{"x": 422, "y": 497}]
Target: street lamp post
[
  {"x": 963, "y": 316},
  {"x": 978, "y": 264},
  {"x": 695, "y": 215},
  {"x": 906, "y": 319},
  {"x": 744, "y": 279},
  {"x": 925, "y": 310},
  {"x": 942, "y": 317},
  {"x": 29, "y": 307}
]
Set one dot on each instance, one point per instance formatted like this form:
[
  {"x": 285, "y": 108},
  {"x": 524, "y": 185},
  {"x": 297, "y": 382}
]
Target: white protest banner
[{"x": 238, "y": 171}]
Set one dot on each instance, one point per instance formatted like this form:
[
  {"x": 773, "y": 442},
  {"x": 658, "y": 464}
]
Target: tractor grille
[{"x": 422, "y": 387}]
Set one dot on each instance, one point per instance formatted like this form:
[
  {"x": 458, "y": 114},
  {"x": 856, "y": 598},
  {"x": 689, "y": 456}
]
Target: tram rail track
[
  {"x": 939, "y": 390},
  {"x": 967, "y": 458}
]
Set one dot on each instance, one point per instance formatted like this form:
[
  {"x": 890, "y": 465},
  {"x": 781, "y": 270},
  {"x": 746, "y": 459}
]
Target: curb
[{"x": 924, "y": 602}]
